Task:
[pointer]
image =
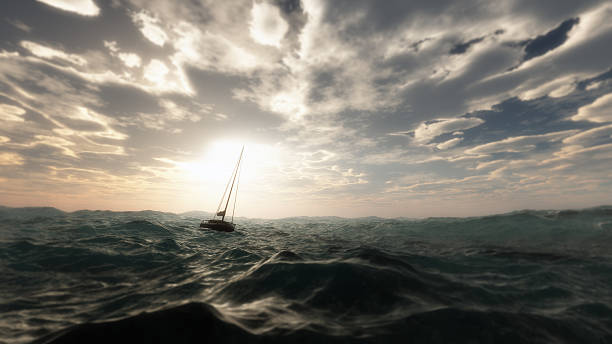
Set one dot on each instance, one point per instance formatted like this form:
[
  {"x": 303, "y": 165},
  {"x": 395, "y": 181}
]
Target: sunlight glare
[{"x": 215, "y": 167}]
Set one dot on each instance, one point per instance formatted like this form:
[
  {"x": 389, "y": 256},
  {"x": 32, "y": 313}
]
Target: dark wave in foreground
[
  {"x": 202, "y": 323},
  {"x": 101, "y": 276}
]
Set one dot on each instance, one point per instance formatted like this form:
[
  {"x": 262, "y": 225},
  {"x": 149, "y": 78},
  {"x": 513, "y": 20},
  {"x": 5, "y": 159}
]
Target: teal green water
[{"x": 529, "y": 276}]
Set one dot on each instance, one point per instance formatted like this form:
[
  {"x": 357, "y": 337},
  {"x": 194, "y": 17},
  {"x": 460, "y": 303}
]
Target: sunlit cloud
[
  {"x": 11, "y": 113},
  {"x": 220, "y": 116},
  {"x": 51, "y": 53},
  {"x": 519, "y": 143},
  {"x": 449, "y": 144},
  {"x": 599, "y": 111},
  {"x": 8, "y": 159},
  {"x": 555, "y": 88},
  {"x": 66, "y": 146},
  {"x": 212, "y": 51},
  {"x": 579, "y": 155},
  {"x": 590, "y": 137},
  {"x": 150, "y": 28},
  {"x": 82, "y": 7},
  {"x": 427, "y": 131},
  {"x": 130, "y": 60},
  {"x": 177, "y": 113},
  {"x": 88, "y": 115},
  {"x": 156, "y": 72},
  {"x": 267, "y": 26}
]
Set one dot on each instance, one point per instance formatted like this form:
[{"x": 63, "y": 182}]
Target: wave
[
  {"x": 99, "y": 276},
  {"x": 201, "y": 322}
]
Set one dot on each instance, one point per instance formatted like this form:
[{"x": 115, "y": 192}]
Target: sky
[{"x": 346, "y": 107}]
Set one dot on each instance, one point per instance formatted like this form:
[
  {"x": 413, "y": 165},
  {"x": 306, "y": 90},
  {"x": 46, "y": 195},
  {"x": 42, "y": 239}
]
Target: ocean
[{"x": 104, "y": 277}]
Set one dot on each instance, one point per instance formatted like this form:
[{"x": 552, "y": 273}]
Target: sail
[
  {"x": 222, "y": 225},
  {"x": 222, "y": 212},
  {"x": 234, "y": 175}
]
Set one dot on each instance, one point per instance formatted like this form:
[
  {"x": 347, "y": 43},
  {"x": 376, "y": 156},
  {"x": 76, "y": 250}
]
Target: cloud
[
  {"x": 11, "y": 113},
  {"x": 64, "y": 145},
  {"x": 598, "y": 157},
  {"x": 267, "y": 25},
  {"x": 168, "y": 114},
  {"x": 590, "y": 137},
  {"x": 156, "y": 72},
  {"x": 599, "y": 111},
  {"x": 53, "y": 106},
  {"x": 20, "y": 25},
  {"x": 359, "y": 95},
  {"x": 449, "y": 144},
  {"x": 463, "y": 47},
  {"x": 150, "y": 28},
  {"x": 212, "y": 51},
  {"x": 519, "y": 143},
  {"x": 130, "y": 60},
  {"x": 427, "y": 131},
  {"x": 556, "y": 88},
  {"x": 51, "y": 53},
  {"x": 220, "y": 117},
  {"x": 82, "y": 7},
  {"x": 549, "y": 41},
  {"x": 9, "y": 158}
]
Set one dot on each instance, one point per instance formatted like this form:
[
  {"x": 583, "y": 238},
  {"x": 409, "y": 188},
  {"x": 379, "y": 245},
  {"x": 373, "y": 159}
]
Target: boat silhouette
[{"x": 220, "y": 224}]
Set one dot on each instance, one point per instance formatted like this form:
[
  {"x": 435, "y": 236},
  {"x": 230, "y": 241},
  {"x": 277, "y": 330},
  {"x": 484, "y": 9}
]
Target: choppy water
[{"x": 99, "y": 276}]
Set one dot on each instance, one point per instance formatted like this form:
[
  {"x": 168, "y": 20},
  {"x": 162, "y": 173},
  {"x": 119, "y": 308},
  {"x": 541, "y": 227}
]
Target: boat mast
[
  {"x": 236, "y": 196},
  {"x": 232, "y": 187}
]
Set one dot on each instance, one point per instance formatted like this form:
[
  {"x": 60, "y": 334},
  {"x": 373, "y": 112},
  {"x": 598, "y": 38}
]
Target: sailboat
[{"x": 220, "y": 224}]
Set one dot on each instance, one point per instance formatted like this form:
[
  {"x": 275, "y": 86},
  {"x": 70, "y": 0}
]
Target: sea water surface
[{"x": 104, "y": 277}]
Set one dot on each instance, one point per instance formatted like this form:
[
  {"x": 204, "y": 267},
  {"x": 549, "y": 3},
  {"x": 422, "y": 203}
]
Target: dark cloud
[
  {"x": 41, "y": 156},
  {"x": 326, "y": 84},
  {"x": 549, "y": 41},
  {"x": 463, "y": 47},
  {"x": 378, "y": 17},
  {"x": 386, "y": 15},
  {"x": 294, "y": 15},
  {"x": 516, "y": 117},
  {"x": 36, "y": 120},
  {"x": 435, "y": 98},
  {"x": 81, "y": 125},
  {"x": 289, "y": 6},
  {"x": 217, "y": 88},
  {"x": 417, "y": 45},
  {"x": 126, "y": 101},
  {"x": 590, "y": 81}
]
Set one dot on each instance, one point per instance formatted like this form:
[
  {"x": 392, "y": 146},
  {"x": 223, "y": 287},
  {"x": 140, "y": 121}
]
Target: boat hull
[{"x": 217, "y": 225}]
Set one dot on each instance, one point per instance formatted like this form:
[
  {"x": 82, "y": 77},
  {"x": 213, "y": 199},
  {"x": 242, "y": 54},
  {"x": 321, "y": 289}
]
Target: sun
[
  {"x": 204, "y": 179},
  {"x": 219, "y": 159}
]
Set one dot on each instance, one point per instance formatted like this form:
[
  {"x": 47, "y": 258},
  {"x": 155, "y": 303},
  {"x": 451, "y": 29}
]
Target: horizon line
[{"x": 317, "y": 216}]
